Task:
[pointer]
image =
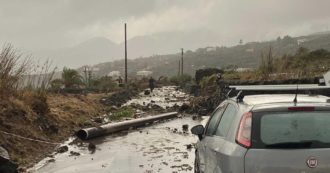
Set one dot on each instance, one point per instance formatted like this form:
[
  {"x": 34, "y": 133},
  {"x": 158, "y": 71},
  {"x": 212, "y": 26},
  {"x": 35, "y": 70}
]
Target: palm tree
[{"x": 71, "y": 77}]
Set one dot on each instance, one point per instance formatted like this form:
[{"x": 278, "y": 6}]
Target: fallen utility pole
[{"x": 93, "y": 132}]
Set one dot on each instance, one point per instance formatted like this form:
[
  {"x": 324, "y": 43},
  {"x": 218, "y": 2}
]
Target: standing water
[{"x": 162, "y": 147}]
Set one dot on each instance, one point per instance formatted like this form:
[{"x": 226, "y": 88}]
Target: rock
[
  {"x": 185, "y": 127},
  {"x": 189, "y": 146},
  {"x": 146, "y": 92},
  {"x": 91, "y": 147},
  {"x": 5, "y": 164},
  {"x": 62, "y": 149},
  {"x": 184, "y": 107},
  {"x": 50, "y": 160},
  {"x": 73, "y": 153},
  {"x": 4, "y": 153},
  {"x": 98, "y": 120}
]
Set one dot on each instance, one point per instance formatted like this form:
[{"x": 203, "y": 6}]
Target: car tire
[{"x": 196, "y": 164}]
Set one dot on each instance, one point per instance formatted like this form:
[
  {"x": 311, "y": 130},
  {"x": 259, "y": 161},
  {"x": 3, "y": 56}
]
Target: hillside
[
  {"x": 101, "y": 49},
  {"x": 247, "y": 56}
]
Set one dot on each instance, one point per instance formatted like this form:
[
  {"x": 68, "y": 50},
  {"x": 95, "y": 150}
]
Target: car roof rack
[{"x": 243, "y": 90}]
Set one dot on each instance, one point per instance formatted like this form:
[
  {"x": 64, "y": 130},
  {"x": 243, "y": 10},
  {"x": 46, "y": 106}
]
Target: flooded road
[
  {"x": 157, "y": 148},
  {"x": 163, "y": 147}
]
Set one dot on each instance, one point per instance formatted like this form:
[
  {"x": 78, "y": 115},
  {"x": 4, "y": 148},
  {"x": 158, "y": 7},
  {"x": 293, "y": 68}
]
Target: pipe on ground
[{"x": 93, "y": 132}]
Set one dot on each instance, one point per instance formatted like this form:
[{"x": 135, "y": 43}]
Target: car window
[
  {"x": 295, "y": 127},
  {"x": 214, "y": 121},
  {"x": 226, "y": 121}
]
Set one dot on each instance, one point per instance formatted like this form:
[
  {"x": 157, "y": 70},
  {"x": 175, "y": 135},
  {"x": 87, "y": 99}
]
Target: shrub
[
  {"x": 71, "y": 78},
  {"x": 181, "y": 80}
]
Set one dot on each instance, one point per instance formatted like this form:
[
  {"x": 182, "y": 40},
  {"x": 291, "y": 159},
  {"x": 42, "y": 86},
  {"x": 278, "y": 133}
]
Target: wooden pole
[
  {"x": 125, "y": 55},
  {"x": 181, "y": 61},
  {"x": 179, "y": 69}
]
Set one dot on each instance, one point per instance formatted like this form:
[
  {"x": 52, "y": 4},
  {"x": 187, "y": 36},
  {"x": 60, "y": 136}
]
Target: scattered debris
[
  {"x": 189, "y": 146},
  {"x": 62, "y": 149},
  {"x": 73, "y": 153},
  {"x": 185, "y": 127},
  {"x": 91, "y": 147}
]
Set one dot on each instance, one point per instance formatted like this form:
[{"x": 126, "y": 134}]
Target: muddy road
[
  {"x": 158, "y": 148},
  {"x": 166, "y": 146}
]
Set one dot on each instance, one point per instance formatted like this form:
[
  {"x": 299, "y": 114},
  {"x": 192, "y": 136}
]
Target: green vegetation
[
  {"x": 302, "y": 64},
  {"x": 246, "y": 55},
  {"x": 181, "y": 80},
  {"x": 123, "y": 112},
  {"x": 71, "y": 78}
]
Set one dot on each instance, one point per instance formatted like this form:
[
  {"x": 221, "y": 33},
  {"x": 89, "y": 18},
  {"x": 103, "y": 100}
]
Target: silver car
[{"x": 267, "y": 133}]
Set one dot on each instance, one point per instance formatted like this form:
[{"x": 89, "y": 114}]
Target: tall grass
[
  {"x": 13, "y": 66},
  {"x": 19, "y": 72}
]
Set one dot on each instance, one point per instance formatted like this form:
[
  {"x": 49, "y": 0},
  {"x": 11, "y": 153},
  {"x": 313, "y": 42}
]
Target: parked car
[{"x": 266, "y": 133}]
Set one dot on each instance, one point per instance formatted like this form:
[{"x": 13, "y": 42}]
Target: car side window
[
  {"x": 226, "y": 121},
  {"x": 214, "y": 121}
]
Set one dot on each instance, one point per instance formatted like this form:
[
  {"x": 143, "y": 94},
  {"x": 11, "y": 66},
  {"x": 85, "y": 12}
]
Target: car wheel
[{"x": 196, "y": 164}]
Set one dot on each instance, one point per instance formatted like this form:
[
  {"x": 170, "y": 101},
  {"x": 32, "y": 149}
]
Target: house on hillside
[
  {"x": 114, "y": 74},
  {"x": 144, "y": 73}
]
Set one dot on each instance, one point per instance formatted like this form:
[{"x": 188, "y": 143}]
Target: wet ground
[
  {"x": 158, "y": 148},
  {"x": 161, "y": 147}
]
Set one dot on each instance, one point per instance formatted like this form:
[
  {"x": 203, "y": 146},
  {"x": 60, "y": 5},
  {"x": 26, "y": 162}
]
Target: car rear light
[
  {"x": 297, "y": 108},
  {"x": 244, "y": 132}
]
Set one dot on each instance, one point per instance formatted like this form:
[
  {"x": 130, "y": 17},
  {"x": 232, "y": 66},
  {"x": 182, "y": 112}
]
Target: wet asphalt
[{"x": 160, "y": 147}]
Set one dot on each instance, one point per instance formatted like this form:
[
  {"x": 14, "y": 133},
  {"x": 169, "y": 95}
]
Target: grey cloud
[{"x": 52, "y": 24}]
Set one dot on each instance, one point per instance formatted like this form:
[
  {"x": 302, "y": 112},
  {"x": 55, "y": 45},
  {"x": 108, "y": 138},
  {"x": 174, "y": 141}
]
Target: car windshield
[{"x": 295, "y": 129}]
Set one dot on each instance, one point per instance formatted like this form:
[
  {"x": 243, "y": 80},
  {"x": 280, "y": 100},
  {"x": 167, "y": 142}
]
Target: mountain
[
  {"x": 100, "y": 49},
  {"x": 89, "y": 52},
  {"x": 246, "y": 56}
]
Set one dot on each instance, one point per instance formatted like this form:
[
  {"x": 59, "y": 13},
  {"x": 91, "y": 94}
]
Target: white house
[{"x": 114, "y": 74}]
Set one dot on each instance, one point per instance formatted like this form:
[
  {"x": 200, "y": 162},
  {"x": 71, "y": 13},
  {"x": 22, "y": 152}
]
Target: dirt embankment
[{"x": 50, "y": 118}]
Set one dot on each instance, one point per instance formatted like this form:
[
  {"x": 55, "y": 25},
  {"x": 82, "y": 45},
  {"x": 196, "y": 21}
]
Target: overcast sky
[{"x": 52, "y": 24}]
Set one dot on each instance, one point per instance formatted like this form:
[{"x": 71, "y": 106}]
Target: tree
[
  {"x": 267, "y": 64},
  {"x": 71, "y": 78}
]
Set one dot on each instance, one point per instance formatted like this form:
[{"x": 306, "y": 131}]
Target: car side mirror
[{"x": 198, "y": 130}]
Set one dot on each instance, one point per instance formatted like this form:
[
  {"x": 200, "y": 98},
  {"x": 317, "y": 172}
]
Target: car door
[
  {"x": 210, "y": 129},
  {"x": 214, "y": 150}
]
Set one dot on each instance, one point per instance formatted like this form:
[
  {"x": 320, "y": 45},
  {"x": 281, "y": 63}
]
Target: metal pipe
[{"x": 93, "y": 132}]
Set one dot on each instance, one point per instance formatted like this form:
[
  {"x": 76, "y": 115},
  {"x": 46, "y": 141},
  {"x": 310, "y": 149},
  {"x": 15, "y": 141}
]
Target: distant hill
[
  {"x": 100, "y": 49},
  {"x": 93, "y": 50},
  {"x": 247, "y": 55}
]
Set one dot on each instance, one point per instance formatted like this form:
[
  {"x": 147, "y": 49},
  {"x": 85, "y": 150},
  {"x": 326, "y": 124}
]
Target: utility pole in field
[
  {"x": 179, "y": 69},
  {"x": 181, "y": 61},
  {"x": 125, "y": 56}
]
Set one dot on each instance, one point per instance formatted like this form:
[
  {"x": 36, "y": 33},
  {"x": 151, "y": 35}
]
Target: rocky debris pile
[{"x": 160, "y": 100}]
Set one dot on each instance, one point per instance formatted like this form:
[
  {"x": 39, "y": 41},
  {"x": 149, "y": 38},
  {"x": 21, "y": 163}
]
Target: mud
[{"x": 163, "y": 147}]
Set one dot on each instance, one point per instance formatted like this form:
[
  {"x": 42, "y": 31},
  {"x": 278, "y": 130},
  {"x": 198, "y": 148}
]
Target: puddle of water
[{"x": 151, "y": 149}]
